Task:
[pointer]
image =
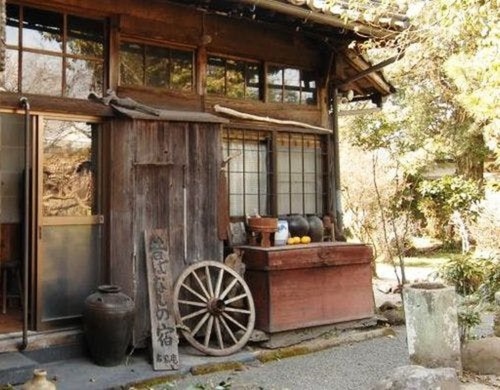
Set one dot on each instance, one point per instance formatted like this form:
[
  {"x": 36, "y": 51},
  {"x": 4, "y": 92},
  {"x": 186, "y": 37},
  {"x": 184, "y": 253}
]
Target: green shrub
[
  {"x": 441, "y": 197},
  {"x": 469, "y": 316},
  {"x": 491, "y": 279},
  {"x": 463, "y": 272}
]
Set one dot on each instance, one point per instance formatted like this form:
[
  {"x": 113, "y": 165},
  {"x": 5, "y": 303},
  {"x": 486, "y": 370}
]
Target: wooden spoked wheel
[{"x": 214, "y": 308}]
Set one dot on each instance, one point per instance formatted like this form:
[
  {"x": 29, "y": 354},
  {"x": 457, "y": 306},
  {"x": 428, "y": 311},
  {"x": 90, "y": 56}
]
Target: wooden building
[{"x": 81, "y": 180}]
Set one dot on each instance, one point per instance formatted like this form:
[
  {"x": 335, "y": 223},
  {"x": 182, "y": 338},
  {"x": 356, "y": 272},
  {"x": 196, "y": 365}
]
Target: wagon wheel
[{"x": 214, "y": 307}]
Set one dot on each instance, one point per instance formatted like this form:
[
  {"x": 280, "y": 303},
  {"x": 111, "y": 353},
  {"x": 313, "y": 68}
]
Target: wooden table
[{"x": 300, "y": 286}]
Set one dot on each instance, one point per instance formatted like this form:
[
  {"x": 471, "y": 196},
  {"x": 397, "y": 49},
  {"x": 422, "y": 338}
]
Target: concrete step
[
  {"x": 15, "y": 368},
  {"x": 43, "y": 348}
]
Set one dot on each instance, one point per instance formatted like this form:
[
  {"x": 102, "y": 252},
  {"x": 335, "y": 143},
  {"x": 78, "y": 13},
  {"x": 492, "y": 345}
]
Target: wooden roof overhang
[{"x": 328, "y": 24}]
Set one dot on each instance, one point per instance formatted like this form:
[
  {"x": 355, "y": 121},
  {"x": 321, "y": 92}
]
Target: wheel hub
[{"x": 216, "y": 306}]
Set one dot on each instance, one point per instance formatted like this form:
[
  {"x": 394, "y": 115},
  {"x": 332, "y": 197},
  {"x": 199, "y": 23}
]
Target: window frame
[
  {"x": 271, "y": 206},
  {"x": 246, "y": 62},
  {"x": 299, "y": 88},
  {"x": 164, "y": 45},
  {"x": 64, "y": 54}
]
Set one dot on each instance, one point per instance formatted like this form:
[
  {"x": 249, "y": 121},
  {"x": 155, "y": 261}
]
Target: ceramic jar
[
  {"x": 297, "y": 225},
  {"x": 281, "y": 235},
  {"x": 316, "y": 230},
  {"x": 39, "y": 382},
  {"x": 108, "y": 323}
]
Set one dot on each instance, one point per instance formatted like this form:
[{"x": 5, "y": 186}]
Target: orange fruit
[
  {"x": 305, "y": 240},
  {"x": 296, "y": 240},
  {"x": 290, "y": 241}
]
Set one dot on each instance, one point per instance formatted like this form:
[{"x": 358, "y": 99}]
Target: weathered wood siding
[
  {"x": 165, "y": 23},
  {"x": 149, "y": 161}
]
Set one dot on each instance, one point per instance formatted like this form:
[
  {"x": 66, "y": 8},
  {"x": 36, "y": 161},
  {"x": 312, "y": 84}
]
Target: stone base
[{"x": 292, "y": 337}]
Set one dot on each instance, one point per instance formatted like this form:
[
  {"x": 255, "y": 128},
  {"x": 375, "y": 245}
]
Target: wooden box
[{"x": 300, "y": 286}]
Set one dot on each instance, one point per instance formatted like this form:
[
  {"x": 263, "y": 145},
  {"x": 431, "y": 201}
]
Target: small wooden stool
[{"x": 13, "y": 267}]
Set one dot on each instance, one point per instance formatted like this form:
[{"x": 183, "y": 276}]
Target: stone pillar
[
  {"x": 432, "y": 325},
  {"x": 496, "y": 326}
]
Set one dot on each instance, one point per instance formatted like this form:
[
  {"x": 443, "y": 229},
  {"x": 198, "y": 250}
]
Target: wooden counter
[{"x": 300, "y": 286}]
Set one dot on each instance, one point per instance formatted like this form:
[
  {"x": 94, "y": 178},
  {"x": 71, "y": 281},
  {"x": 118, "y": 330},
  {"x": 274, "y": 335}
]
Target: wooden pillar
[{"x": 2, "y": 35}]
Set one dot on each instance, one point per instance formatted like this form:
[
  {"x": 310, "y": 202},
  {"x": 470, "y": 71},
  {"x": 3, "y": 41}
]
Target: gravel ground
[{"x": 348, "y": 367}]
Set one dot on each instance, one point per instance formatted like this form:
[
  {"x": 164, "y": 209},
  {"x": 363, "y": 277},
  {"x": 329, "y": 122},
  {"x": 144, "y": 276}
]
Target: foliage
[
  {"x": 485, "y": 228},
  {"x": 464, "y": 272},
  {"x": 377, "y": 199},
  {"x": 469, "y": 316},
  {"x": 440, "y": 198},
  {"x": 447, "y": 77},
  {"x": 491, "y": 279}
]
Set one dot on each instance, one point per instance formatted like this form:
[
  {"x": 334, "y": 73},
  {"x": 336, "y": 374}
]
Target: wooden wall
[
  {"x": 164, "y": 23},
  {"x": 151, "y": 162}
]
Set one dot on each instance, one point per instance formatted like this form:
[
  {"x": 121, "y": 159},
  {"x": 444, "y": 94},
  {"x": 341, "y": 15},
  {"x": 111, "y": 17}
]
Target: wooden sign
[{"x": 164, "y": 337}]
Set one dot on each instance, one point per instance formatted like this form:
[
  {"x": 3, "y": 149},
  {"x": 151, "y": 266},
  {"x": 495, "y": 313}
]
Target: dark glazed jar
[
  {"x": 108, "y": 321},
  {"x": 297, "y": 225},
  {"x": 315, "y": 228}
]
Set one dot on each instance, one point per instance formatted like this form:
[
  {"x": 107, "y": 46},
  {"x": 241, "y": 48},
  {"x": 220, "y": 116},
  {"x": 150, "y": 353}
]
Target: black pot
[
  {"x": 108, "y": 322},
  {"x": 316, "y": 230},
  {"x": 297, "y": 225}
]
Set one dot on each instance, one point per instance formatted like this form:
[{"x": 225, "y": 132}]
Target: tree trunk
[{"x": 470, "y": 164}]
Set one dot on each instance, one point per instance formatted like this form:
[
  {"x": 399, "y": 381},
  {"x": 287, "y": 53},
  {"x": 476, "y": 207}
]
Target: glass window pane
[
  {"x": 275, "y": 84},
  {"x": 157, "y": 59},
  {"x": 216, "y": 75},
  {"x": 236, "y": 205},
  {"x": 69, "y": 167},
  {"x": 66, "y": 282},
  {"x": 83, "y": 77},
  {"x": 252, "y": 205},
  {"x": 181, "y": 70},
  {"x": 283, "y": 204},
  {"x": 251, "y": 160},
  {"x": 291, "y": 96},
  {"x": 292, "y": 77},
  {"x": 235, "y": 79},
  {"x": 251, "y": 183},
  {"x": 308, "y": 87},
  {"x": 42, "y": 29},
  {"x": 131, "y": 64},
  {"x": 12, "y": 25},
  {"x": 296, "y": 206},
  {"x": 85, "y": 37},
  {"x": 8, "y": 79},
  {"x": 236, "y": 183},
  {"x": 42, "y": 74},
  {"x": 308, "y": 98},
  {"x": 310, "y": 204},
  {"x": 253, "y": 82}
]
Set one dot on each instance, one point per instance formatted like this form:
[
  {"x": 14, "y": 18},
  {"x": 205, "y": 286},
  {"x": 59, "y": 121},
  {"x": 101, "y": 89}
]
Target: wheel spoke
[
  {"x": 208, "y": 331},
  {"x": 219, "y": 282},
  {"x": 228, "y": 329},
  {"x": 234, "y": 321},
  {"x": 194, "y": 314},
  {"x": 209, "y": 282},
  {"x": 192, "y": 303},
  {"x": 201, "y": 285},
  {"x": 203, "y": 299},
  {"x": 217, "y": 305},
  {"x": 228, "y": 288},
  {"x": 234, "y": 299},
  {"x": 234, "y": 310},
  {"x": 200, "y": 324},
  {"x": 219, "y": 334}
]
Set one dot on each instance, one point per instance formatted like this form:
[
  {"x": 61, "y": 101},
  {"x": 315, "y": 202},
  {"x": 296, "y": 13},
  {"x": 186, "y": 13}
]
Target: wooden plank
[
  {"x": 164, "y": 337},
  {"x": 299, "y": 298}
]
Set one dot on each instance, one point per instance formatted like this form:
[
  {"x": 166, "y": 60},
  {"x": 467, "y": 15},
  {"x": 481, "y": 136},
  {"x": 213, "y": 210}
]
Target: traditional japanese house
[{"x": 256, "y": 81}]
